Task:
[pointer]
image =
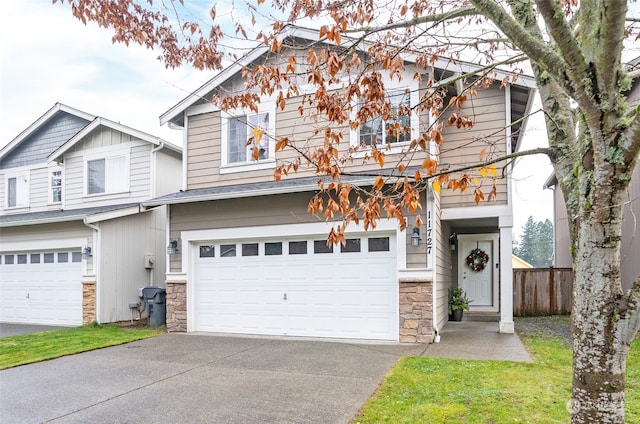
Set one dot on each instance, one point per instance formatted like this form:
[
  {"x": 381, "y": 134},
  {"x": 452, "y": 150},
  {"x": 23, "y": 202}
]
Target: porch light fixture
[
  {"x": 452, "y": 241},
  {"x": 86, "y": 252},
  {"x": 172, "y": 248},
  {"x": 415, "y": 237}
]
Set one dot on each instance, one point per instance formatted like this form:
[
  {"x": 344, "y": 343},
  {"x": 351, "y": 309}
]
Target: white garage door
[
  {"x": 298, "y": 288},
  {"x": 41, "y": 288}
]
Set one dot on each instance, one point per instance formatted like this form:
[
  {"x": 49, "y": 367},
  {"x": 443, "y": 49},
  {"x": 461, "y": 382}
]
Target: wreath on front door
[{"x": 477, "y": 260}]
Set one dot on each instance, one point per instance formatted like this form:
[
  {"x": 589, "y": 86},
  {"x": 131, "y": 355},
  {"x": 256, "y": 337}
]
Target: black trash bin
[{"x": 156, "y": 298}]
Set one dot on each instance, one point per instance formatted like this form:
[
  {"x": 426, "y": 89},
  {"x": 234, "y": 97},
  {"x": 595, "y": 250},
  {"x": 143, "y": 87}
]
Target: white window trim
[
  {"x": 18, "y": 173},
  {"x": 414, "y": 98},
  {"x": 227, "y": 168},
  {"x": 50, "y": 171},
  {"x": 106, "y": 153}
]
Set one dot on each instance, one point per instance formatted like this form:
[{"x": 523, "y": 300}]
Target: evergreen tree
[{"x": 536, "y": 243}]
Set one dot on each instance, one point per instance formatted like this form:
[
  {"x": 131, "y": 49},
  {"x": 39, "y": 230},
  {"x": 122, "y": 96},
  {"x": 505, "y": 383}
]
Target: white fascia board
[
  {"x": 104, "y": 216},
  {"x": 42, "y": 120}
]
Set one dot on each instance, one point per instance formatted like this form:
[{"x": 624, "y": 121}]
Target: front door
[{"x": 478, "y": 281}]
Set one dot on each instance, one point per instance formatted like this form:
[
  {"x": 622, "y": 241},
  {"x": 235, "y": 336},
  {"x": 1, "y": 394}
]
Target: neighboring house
[
  {"x": 251, "y": 259},
  {"x": 517, "y": 262},
  {"x": 75, "y": 245},
  {"x": 630, "y": 252}
]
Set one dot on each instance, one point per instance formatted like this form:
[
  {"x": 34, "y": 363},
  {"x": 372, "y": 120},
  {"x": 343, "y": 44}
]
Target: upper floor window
[
  {"x": 107, "y": 175},
  {"x": 240, "y": 131},
  {"x": 55, "y": 186},
  {"x": 17, "y": 191},
  {"x": 396, "y": 128}
]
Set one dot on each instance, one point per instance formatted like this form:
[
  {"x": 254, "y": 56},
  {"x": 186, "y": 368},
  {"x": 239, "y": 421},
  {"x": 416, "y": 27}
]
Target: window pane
[
  {"x": 95, "y": 176},
  {"x": 371, "y": 132},
  {"x": 11, "y": 192},
  {"x": 76, "y": 256},
  {"x": 297, "y": 247},
  {"x": 250, "y": 249},
  {"x": 63, "y": 257},
  {"x": 261, "y": 121},
  {"x": 399, "y": 118},
  {"x": 8, "y": 259},
  {"x": 227, "y": 250},
  {"x": 352, "y": 245},
  {"x": 379, "y": 244},
  {"x": 237, "y": 140},
  {"x": 56, "y": 186},
  {"x": 48, "y": 258},
  {"x": 22, "y": 259},
  {"x": 207, "y": 251},
  {"x": 35, "y": 258},
  {"x": 320, "y": 246},
  {"x": 271, "y": 249}
]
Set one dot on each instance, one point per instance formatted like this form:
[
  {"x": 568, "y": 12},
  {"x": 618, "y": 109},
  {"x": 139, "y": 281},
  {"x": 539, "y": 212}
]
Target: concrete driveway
[
  {"x": 7, "y": 330},
  {"x": 191, "y": 378}
]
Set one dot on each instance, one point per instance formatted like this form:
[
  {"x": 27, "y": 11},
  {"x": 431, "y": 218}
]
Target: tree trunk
[{"x": 600, "y": 313}]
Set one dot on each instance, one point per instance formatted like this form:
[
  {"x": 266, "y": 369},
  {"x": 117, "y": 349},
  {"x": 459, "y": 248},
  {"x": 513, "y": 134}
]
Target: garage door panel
[
  {"x": 347, "y": 295},
  {"x": 40, "y": 293}
]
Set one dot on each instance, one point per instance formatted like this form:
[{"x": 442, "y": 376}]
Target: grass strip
[
  {"x": 29, "y": 348},
  {"x": 434, "y": 390}
]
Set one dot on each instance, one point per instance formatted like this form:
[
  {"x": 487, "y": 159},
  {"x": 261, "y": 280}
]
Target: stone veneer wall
[
  {"x": 176, "y": 306},
  {"x": 416, "y": 307},
  {"x": 88, "y": 302}
]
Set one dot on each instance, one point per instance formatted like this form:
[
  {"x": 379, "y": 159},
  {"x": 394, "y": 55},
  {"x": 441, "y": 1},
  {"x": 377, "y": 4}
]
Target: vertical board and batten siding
[
  {"x": 463, "y": 147},
  {"x": 124, "y": 242},
  {"x": 562, "y": 254},
  {"x": 168, "y": 172},
  {"x": 139, "y": 170}
]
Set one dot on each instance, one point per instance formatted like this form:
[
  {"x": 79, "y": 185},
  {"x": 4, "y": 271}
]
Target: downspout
[
  {"x": 154, "y": 167},
  {"x": 95, "y": 261}
]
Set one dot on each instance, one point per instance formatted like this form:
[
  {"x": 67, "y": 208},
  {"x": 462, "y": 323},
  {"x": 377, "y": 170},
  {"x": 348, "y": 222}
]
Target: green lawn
[
  {"x": 29, "y": 348},
  {"x": 432, "y": 390}
]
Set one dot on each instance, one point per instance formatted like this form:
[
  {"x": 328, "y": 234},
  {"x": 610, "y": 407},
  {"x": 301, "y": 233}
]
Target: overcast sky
[{"x": 47, "y": 56}]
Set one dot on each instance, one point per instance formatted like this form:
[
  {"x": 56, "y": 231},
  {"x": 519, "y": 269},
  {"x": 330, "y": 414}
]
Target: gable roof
[
  {"x": 76, "y": 120},
  {"x": 521, "y": 91},
  {"x": 98, "y": 122}
]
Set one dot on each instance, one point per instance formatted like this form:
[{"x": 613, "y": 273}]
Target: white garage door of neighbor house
[
  {"x": 298, "y": 288},
  {"x": 41, "y": 288}
]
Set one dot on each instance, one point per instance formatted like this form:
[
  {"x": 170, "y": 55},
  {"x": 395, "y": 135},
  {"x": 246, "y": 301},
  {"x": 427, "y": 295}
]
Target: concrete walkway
[{"x": 477, "y": 340}]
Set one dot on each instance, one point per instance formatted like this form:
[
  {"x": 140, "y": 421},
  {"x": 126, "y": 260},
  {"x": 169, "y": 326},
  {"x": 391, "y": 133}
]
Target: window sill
[
  {"x": 107, "y": 196},
  {"x": 248, "y": 166}
]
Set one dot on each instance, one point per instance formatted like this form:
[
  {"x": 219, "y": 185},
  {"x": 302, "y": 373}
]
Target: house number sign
[{"x": 429, "y": 233}]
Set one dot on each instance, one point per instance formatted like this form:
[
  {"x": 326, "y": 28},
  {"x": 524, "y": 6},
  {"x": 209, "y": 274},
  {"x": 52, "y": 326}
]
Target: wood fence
[{"x": 542, "y": 291}]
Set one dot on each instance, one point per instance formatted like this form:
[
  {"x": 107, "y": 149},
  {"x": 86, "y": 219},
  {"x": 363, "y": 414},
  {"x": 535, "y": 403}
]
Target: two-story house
[
  {"x": 75, "y": 245},
  {"x": 247, "y": 257}
]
